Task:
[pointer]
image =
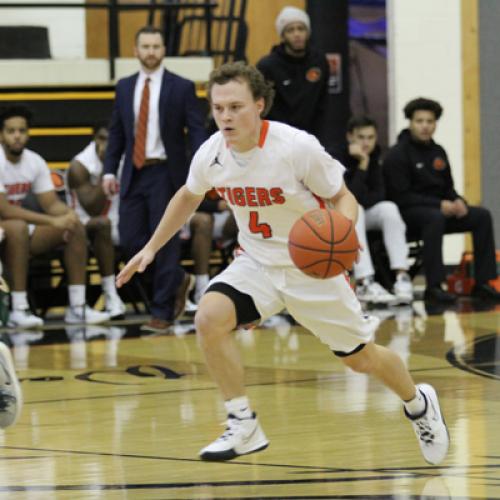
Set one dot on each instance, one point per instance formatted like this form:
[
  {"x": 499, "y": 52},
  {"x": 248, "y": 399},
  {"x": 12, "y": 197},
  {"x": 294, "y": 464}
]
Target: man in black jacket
[
  {"x": 364, "y": 178},
  {"x": 419, "y": 181},
  {"x": 298, "y": 71}
]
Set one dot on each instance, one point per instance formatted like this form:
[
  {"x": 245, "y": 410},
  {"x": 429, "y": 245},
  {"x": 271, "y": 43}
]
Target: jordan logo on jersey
[
  {"x": 252, "y": 196},
  {"x": 216, "y": 161}
]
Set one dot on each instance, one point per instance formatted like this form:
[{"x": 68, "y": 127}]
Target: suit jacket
[{"x": 179, "y": 109}]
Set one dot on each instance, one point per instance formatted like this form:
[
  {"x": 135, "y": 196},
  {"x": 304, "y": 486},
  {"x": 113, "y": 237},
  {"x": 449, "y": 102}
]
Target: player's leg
[
  {"x": 333, "y": 314},
  {"x": 15, "y": 254},
  {"x": 235, "y": 297},
  {"x": 99, "y": 231},
  {"x": 385, "y": 216},
  {"x": 421, "y": 404},
  {"x": 44, "y": 239},
  {"x": 201, "y": 225},
  {"x": 367, "y": 289}
]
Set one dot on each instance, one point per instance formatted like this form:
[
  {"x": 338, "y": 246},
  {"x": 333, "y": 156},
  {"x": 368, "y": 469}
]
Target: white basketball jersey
[
  {"x": 288, "y": 174},
  {"x": 30, "y": 174},
  {"x": 91, "y": 161}
]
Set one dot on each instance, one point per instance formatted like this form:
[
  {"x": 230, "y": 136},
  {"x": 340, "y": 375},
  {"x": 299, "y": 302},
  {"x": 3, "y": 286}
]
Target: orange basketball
[{"x": 323, "y": 243}]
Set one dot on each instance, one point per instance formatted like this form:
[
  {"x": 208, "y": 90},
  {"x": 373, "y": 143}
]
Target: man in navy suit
[{"x": 152, "y": 110}]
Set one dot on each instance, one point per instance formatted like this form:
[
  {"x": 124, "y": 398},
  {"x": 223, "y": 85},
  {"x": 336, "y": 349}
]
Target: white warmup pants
[{"x": 383, "y": 216}]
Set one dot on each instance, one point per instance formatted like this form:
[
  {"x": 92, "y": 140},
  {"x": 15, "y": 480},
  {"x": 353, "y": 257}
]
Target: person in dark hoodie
[
  {"x": 363, "y": 176},
  {"x": 298, "y": 72},
  {"x": 418, "y": 179}
]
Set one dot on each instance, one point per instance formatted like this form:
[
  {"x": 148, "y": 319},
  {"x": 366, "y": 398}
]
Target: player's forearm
[
  {"x": 181, "y": 206},
  {"x": 29, "y": 216},
  {"x": 57, "y": 208},
  {"x": 346, "y": 203}
]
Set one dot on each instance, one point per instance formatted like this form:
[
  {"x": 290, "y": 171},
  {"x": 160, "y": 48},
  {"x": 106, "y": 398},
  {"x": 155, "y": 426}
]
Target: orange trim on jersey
[
  {"x": 321, "y": 201},
  {"x": 263, "y": 133}
]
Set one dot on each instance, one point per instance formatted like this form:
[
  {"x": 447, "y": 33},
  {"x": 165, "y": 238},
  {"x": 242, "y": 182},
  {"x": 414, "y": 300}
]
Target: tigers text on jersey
[
  {"x": 269, "y": 188},
  {"x": 30, "y": 174}
]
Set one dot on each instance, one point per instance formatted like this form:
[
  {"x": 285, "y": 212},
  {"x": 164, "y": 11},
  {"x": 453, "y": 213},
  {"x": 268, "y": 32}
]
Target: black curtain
[{"x": 330, "y": 34}]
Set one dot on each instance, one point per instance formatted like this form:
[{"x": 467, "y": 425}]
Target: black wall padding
[
  {"x": 24, "y": 42},
  {"x": 330, "y": 34},
  {"x": 58, "y": 147}
]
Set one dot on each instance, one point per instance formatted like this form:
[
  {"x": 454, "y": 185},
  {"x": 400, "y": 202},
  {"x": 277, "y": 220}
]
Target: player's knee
[
  {"x": 392, "y": 216},
  {"x": 77, "y": 236},
  {"x": 359, "y": 362},
  {"x": 15, "y": 230},
  {"x": 210, "y": 323}
]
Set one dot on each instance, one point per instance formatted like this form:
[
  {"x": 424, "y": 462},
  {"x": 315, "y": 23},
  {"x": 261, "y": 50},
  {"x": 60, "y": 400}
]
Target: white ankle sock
[
  {"x": 239, "y": 407},
  {"x": 76, "y": 294},
  {"x": 416, "y": 406},
  {"x": 19, "y": 300},
  {"x": 108, "y": 286}
]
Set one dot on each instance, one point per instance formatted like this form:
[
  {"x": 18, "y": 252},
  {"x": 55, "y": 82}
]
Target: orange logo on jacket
[
  {"x": 313, "y": 74},
  {"x": 439, "y": 163}
]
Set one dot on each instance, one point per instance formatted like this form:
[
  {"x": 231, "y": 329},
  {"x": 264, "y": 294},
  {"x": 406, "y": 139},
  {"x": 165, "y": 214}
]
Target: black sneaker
[
  {"x": 485, "y": 292},
  {"x": 437, "y": 294}
]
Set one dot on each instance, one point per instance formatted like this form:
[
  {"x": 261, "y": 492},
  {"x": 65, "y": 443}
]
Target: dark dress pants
[
  {"x": 432, "y": 225},
  {"x": 141, "y": 210}
]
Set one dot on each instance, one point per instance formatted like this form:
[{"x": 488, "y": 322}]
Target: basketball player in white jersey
[
  {"x": 99, "y": 215},
  {"x": 23, "y": 171},
  {"x": 271, "y": 174}
]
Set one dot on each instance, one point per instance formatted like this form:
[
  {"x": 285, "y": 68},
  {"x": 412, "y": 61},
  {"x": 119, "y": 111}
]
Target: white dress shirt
[{"x": 154, "y": 145}]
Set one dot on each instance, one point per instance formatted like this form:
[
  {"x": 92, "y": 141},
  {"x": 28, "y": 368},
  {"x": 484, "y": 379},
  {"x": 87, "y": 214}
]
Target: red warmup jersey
[{"x": 279, "y": 181}]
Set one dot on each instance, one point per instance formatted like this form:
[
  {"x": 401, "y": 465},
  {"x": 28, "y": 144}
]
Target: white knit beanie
[{"x": 291, "y": 15}]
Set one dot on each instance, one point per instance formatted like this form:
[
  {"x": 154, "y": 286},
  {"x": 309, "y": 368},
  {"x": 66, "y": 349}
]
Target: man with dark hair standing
[
  {"x": 152, "y": 110},
  {"x": 298, "y": 71},
  {"x": 418, "y": 179}
]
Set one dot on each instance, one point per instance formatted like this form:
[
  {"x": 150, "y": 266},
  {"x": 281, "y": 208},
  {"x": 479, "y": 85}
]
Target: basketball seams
[
  {"x": 347, "y": 233},
  {"x": 306, "y": 222},
  {"x": 314, "y": 249},
  {"x": 321, "y": 256}
]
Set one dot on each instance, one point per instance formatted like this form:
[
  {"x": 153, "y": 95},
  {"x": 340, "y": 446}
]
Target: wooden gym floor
[{"x": 109, "y": 413}]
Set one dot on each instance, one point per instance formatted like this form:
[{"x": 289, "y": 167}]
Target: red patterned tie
[{"x": 142, "y": 128}]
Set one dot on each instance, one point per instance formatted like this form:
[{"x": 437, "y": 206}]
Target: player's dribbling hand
[{"x": 137, "y": 264}]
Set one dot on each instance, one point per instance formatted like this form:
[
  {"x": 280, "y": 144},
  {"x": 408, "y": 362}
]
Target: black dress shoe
[
  {"x": 437, "y": 294},
  {"x": 485, "y": 292}
]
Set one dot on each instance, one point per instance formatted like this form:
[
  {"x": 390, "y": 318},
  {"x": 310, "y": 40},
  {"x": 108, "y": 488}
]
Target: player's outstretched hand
[{"x": 137, "y": 264}]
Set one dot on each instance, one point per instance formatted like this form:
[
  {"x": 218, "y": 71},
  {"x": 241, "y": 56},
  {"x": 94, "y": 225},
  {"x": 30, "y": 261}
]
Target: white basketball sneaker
[
  {"x": 11, "y": 398},
  {"x": 403, "y": 289},
  {"x": 115, "y": 307},
  {"x": 374, "y": 293},
  {"x": 430, "y": 428},
  {"x": 23, "y": 318},
  {"x": 85, "y": 314},
  {"x": 242, "y": 436}
]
